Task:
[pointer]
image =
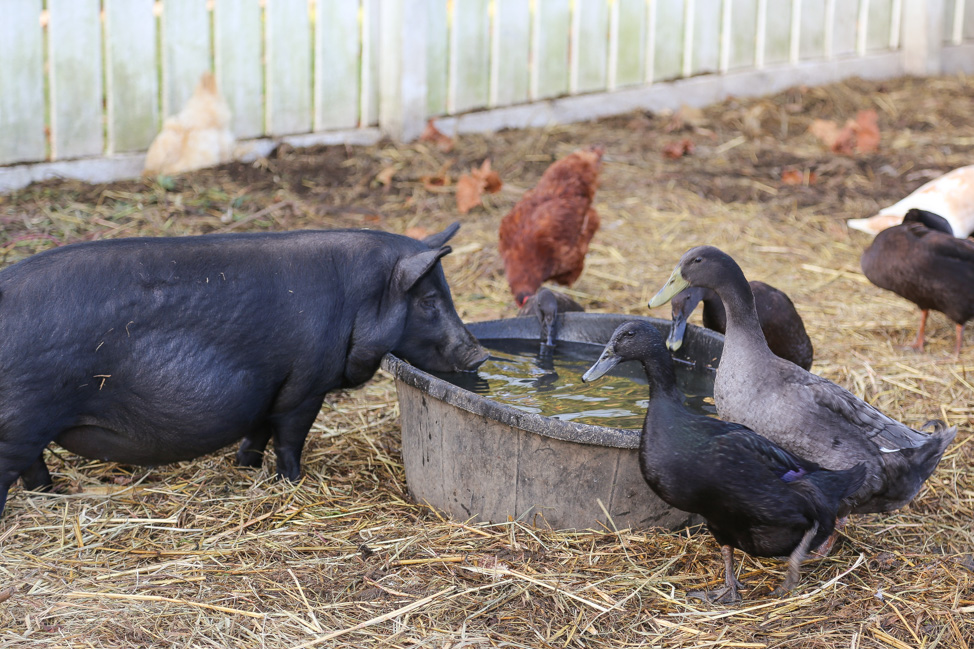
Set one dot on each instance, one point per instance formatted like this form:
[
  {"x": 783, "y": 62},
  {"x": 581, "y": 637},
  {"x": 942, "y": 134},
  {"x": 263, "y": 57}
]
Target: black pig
[{"x": 155, "y": 350}]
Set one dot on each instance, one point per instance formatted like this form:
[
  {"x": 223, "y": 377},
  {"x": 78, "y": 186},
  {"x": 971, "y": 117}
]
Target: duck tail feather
[{"x": 928, "y": 456}]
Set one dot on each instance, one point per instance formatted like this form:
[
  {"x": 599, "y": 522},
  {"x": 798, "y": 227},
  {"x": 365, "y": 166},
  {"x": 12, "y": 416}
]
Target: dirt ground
[{"x": 203, "y": 554}]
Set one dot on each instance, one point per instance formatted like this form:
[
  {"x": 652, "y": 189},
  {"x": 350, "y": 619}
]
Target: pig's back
[{"x": 193, "y": 276}]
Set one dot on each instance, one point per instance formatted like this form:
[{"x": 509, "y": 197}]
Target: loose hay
[{"x": 203, "y": 554}]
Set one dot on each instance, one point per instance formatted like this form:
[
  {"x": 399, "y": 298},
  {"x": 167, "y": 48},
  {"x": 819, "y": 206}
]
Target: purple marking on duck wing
[{"x": 792, "y": 475}]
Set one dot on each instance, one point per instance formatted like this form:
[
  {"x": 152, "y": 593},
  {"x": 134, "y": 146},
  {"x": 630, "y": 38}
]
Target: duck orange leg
[
  {"x": 960, "y": 339},
  {"x": 918, "y": 343}
]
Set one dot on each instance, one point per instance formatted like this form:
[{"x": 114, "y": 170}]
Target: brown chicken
[{"x": 546, "y": 235}]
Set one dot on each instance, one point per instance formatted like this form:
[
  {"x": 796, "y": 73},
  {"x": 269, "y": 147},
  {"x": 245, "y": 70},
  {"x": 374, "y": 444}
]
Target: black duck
[
  {"x": 782, "y": 326},
  {"x": 804, "y": 413},
  {"x": 545, "y": 305},
  {"x": 923, "y": 262},
  {"x": 755, "y": 496}
]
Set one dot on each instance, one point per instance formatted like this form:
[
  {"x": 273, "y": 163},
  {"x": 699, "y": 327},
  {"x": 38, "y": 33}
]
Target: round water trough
[{"x": 474, "y": 458}]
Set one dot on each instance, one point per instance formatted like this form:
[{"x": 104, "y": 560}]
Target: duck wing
[
  {"x": 736, "y": 438},
  {"x": 887, "y": 433},
  {"x": 945, "y": 246}
]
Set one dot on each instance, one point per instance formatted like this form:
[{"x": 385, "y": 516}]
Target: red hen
[{"x": 546, "y": 234}]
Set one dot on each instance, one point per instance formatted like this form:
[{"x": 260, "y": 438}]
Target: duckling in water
[
  {"x": 923, "y": 262},
  {"x": 801, "y": 412},
  {"x": 755, "y": 496},
  {"x": 782, "y": 326},
  {"x": 545, "y": 305}
]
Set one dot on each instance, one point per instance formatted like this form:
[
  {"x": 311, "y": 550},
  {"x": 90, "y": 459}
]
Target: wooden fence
[{"x": 93, "y": 79}]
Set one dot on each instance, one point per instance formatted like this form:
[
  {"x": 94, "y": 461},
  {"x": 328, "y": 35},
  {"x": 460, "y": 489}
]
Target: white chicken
[
  {"x": 950, "y": 196},
  {"x": 198, "y": 136}
]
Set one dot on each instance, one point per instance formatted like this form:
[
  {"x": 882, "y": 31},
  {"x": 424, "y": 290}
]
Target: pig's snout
[{"x": 476, "y": 359}]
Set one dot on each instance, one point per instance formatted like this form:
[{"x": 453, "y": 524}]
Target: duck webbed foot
[{"x": 728, "y": 594}]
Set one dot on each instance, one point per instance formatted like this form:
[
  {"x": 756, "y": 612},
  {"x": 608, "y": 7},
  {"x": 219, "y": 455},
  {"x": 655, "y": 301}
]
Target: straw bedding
[{"x": 203, "y": 554}]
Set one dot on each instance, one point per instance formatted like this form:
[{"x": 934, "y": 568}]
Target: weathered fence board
[
  {"x": 743, "y": 33},
  {"x": 967, "y": 20},
  {"x": 288, "y": 74},
  {"x": 777, "y": 38},
  {"x": 437, "y": 59},
  {"x": 132, "y": 95},
  {"x": 959, "y": 20},
  {"x": 21, "y": 82},
  {"x": 336, "y": 69},
  {"x": 878, "y": 25},
  {"x": 285, "y": 71},
  {"x": 510, "y": 52},
  {"x": 589, "y": 46},
  {"x": 551, "y": 35},
  {"x": 74, "y": 54},
  {"x": 811, "y": 44},
  {"x": 950, "y": 7},
  {"x": 668, "y": 39},
  {"x": 704, "y": 54},
  {"x": 627, "y": 49},
  {"x": 237, "y": 35},
  {"x": 844, "y": 33},
  {"x": 186, "y": 46},
  {"x": 469, "y": 56},
  {"x": 370, "y": 63},
  {"x": 402, "y": 71}
]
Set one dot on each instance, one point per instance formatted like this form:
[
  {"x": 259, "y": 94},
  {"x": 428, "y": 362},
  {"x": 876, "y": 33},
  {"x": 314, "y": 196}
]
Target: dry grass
[{"x": 203, "y": 554}]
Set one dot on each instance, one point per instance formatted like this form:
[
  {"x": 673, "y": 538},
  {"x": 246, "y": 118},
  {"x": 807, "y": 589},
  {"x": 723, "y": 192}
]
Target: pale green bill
[{"x": 673, "y": 285}]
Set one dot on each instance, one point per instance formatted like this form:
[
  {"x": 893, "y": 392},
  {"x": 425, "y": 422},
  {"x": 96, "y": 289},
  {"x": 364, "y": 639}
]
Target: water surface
[{"x": 551, "y": 384}]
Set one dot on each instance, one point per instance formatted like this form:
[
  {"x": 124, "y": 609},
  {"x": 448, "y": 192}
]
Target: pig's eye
[{"x": 428, "y": 302}]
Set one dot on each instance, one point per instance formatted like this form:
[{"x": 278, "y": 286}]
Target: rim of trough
[{"x": 526, "y": 326}]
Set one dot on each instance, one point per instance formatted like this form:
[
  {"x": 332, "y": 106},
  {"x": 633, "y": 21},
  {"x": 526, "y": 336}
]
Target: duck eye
[{"x": 698, "y": 260}]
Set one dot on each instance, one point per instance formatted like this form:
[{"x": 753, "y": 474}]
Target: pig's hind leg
[
  {"x": 37, "y": 477},
  {"x": 252, "y": 446}
]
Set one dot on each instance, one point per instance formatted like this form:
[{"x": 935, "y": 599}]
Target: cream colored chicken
[
  {"x": 950, "y": 196},
  {"x": 198, "y": 136}
]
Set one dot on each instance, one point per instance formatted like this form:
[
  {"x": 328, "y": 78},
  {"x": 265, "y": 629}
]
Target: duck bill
[
  {"x": 606, "y": 362},
  {"x": 675, "y": 340},
  {"x": 673, "y": 285}
]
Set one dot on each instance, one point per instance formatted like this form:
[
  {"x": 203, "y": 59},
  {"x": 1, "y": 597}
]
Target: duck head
[
  {"x": 635, "y": 340},
  {"x": 683, "y": 304},
  {"x": 929, "y": 219},
  {"x": 704, "y": 266}
]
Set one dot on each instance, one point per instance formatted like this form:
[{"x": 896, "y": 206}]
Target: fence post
[
  {"x": 923, "y": 36},
  {"x": 402, "y": 68}
]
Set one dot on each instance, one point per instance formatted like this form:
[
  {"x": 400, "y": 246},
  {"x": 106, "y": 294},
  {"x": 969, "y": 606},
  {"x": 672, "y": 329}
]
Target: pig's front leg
[
  {"x": 22, "y": 460},
  {"x": 290, "y": 430}
]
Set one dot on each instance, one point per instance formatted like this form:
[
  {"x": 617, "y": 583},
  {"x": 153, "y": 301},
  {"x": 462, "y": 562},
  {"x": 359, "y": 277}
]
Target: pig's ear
[
  {"x": 437, "y": 240},
  {"x": 410, "y": 270}
]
